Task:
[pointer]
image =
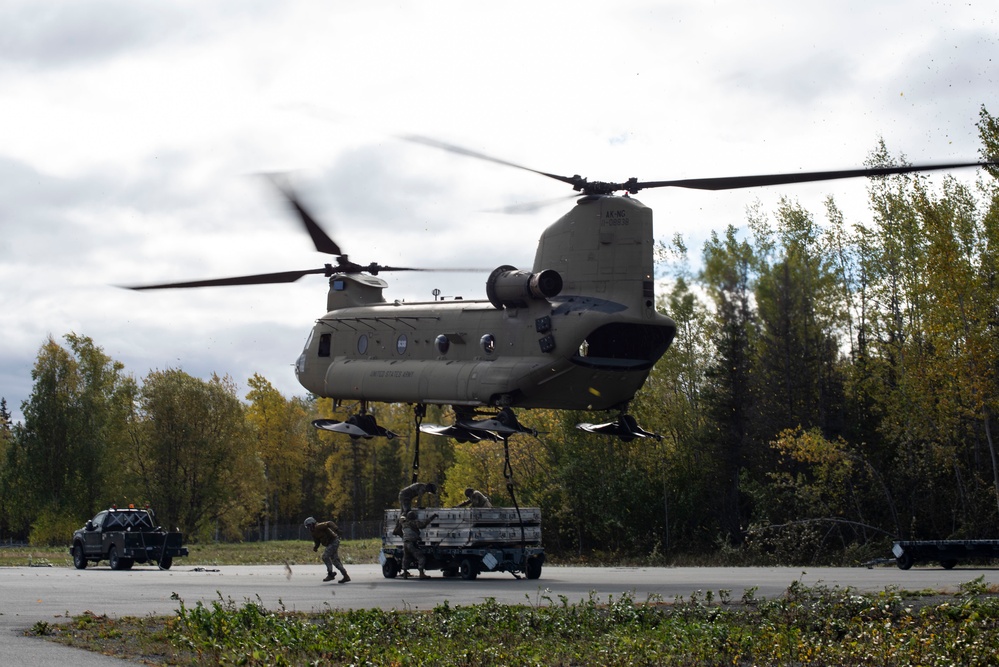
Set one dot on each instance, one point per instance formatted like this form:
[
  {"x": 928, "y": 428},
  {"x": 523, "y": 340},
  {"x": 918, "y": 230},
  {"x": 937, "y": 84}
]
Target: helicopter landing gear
[
  {"x": 468, "y": 429},
  {"x": 361, "y": 425},
  {"x": 504, "y": 424},
  {"x": 624, "y": 427}
]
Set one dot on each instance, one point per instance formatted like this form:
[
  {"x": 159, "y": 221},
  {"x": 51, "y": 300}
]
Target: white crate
[{"x": 482, "y": 535}]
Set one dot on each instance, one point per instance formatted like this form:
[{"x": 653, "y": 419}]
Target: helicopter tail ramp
[{"x": 466, "y": 541}]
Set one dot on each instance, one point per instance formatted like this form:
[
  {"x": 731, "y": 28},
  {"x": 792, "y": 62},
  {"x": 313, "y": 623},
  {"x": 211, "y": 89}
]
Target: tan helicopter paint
[{"x": 603, "y": 250}]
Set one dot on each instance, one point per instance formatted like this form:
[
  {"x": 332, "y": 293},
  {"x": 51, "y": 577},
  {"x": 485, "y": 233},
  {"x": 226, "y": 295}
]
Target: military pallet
[{"x": 464, "y": 541}]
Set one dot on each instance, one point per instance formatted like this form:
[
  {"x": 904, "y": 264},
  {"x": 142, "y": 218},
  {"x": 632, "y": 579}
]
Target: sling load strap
[
  {"x": 419, "y": 412},
  {"x": 508, "y": 474}
]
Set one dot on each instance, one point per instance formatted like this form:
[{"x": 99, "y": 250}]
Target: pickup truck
[{"x": 123, "y": 537}]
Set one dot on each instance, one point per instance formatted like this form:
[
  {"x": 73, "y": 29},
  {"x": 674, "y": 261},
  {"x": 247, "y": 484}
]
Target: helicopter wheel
[{"x": 507, "y": 418}]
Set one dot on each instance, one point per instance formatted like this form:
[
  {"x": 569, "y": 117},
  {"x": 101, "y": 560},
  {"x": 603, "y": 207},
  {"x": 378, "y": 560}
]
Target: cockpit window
[{"x": 324, "y": 344}]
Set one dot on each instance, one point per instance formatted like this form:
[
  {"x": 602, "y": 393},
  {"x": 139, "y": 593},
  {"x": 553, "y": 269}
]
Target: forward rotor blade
[
  {"x": 736, "y": 182},
  {"x": 259, "y": 279},
  {"x": 320, "y": 238},
  {"x": 290, "y": 276}
]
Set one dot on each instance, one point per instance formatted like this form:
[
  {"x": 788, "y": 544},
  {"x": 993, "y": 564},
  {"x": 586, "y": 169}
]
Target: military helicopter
[{"x": 578, "y": 331}]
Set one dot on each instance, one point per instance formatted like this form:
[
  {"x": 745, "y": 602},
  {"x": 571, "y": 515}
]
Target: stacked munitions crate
[
  {"x": 462, "y": 542},
  {"x": 473, "y": 527}
]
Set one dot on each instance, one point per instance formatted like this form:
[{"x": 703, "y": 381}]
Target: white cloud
[{"x": 132, "y": 129}]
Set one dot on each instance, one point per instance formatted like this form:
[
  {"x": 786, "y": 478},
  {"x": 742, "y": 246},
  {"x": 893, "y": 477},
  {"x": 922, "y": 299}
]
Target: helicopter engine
[{"x": 507, "y": 287}]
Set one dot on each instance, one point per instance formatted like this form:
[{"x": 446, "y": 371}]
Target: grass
[
  {"x": 805, "y": 625},
  {"x": 244, "y": 553}
]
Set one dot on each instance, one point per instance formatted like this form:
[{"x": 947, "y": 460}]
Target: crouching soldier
[
  {"x": 475, "y": 499},
  {"x": 326, "y": 534},
  {"x": 411, "y": 527},
  {"x": 413, "y": 491}
]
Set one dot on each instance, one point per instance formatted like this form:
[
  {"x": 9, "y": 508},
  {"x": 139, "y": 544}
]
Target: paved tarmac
[{"x": 53, "y": 595}]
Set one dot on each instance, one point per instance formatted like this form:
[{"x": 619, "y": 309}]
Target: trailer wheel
[
  {"x": 904, "y": 561},
  {"x": 79, "y": 560},
  {"x": 390, "y": 568},
  {"x": 166, "y": 562},
  {"x": 533, "y": 568},
  {"x": 468, "y": 569},
  {"x": 948, "y": 564}
]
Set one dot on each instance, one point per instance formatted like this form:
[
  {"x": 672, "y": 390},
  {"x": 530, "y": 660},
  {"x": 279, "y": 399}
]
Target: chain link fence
[{"x": 349, "y": 530}]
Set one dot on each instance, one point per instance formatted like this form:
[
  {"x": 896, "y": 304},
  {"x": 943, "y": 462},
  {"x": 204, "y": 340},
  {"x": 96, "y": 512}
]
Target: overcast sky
[{"x": 131, "y": 132}]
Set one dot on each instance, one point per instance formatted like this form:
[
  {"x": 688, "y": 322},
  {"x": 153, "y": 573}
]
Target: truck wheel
[
  {"x": 533, "y": 568},
  {"x": 113, "y": 560},
  {"x": 948, "y": 564},
  {"x": 390, "y": 568},
  {"x": 904, "y": 561},
  {"x": 79, "y": 560},
  {"x": 468, "y": 570},
  {"x": 166, "y": 562}
]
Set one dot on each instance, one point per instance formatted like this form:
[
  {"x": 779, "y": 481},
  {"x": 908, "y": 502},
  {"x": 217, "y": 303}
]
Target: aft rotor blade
[
  {"x": 736, "y": 182},
  {"x": 259, "y": 279},
  {"x": 451, "y": 148},
  {"x": 633, "y": 185},
  {"x": 530, "y": 206}
]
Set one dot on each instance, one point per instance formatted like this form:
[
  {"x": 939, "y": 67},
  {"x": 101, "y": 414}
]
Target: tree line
[{"x": 832, "y": 386}]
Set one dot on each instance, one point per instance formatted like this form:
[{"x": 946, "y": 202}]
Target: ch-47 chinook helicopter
[{"x": 578, "y": 331}]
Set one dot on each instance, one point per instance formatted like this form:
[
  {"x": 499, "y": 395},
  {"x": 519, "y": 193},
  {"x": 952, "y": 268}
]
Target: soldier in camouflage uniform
[
  {"x": 327, "y": 534},
  {"x": 412, "y": 491},
  {"x": 411, "y": 527},
  {"x": 475, "y": 499}
]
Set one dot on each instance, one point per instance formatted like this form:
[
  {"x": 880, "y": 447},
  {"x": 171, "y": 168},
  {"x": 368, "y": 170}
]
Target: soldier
[
  {"x": 475, "y": 499},
  {"x": 327, "y": 534},
  {"x": 411, "y": 526},
  {"x": 412, "y": 491}
]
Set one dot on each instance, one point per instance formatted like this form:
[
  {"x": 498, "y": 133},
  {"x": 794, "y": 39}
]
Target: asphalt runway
[{"x": 32, "y": 594}]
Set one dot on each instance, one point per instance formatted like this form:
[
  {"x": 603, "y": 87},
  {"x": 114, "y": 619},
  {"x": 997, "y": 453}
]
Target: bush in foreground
[{"x": 809, "y": 626}]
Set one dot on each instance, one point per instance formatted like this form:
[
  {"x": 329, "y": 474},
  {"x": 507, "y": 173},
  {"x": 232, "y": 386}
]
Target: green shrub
[{"x": 52, "y": 528}]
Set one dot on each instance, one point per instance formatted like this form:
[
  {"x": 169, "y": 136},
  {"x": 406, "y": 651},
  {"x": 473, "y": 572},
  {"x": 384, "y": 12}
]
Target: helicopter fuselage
[{"x": 580, "y": 332}]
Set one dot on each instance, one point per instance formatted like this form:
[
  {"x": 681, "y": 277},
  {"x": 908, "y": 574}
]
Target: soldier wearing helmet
[
  {"x": 327, "y": 534},
  {"x": 414, "y": 491},
  {"x": 475, "y": 499},
  {"x": 411, "y": 526}
]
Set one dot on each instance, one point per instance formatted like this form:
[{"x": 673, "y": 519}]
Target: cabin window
[
  {"x": 442, "y": 343},
  {"x": 401, "y": 343},
  {"x": 488, "y": 343},
  {"x": 362, "y": 344},
  {"x": 324, "y": 344}
]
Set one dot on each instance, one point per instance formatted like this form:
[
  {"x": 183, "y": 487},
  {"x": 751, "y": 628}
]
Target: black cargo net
[{"x": 137, "y": 520}]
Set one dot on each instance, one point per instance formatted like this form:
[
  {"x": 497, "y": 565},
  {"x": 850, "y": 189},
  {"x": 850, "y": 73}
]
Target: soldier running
[
  {"x": 412, "y": 491},
  {"x": 411, "y": 527},
  {"x": 327, "y": 534},
  {"x": 475, "y": 499}
]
